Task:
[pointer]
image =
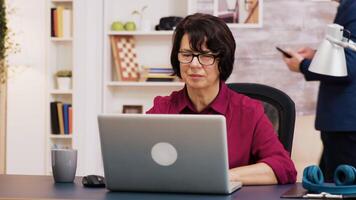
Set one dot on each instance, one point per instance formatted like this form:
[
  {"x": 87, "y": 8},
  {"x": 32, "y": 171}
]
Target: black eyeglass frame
[{"x": 214, "y": 55}]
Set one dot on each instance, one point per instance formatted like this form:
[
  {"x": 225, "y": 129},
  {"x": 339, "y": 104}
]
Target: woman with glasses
[{"x": 203, "y": 55}]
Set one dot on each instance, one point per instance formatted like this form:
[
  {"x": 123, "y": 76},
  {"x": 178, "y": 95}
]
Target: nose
[{"x": 195, "y": 62}]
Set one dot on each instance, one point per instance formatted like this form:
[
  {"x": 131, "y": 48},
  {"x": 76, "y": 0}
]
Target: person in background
[
  {"x": 203, "y": 56},
  {"x": 336, "y": 105}
]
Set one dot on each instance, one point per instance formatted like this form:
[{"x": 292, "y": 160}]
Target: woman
[{"x": 203, "y": 56}]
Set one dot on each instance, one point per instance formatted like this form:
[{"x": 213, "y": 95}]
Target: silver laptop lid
[{"x": 164, "y": 153}]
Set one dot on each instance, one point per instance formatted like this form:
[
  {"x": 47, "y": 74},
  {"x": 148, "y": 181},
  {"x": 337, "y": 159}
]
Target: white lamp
[{"x": 330, "y": 56}]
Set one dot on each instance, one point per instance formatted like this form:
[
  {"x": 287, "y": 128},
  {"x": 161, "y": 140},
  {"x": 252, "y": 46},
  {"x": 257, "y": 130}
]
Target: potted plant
[
  {"x": 3, "y": 40},
  {"x": 144, "y": 24},
  {"x": 64, "y": 79}
]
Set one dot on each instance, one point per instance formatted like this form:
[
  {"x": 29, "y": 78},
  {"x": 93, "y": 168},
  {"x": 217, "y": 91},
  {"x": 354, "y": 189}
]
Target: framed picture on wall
[
  {"x": 236, "y": 13},
  {"x": 132, "y": 109}
]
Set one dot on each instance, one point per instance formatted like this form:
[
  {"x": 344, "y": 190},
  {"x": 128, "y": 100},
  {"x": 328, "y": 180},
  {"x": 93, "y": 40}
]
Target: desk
[{"x": 43, "y": 187}]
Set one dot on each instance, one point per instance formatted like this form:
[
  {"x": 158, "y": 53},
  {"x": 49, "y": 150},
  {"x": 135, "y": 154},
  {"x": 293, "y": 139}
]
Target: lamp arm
[{"x": 350, "y": 45}]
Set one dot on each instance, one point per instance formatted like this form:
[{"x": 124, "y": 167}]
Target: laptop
[{"x": 165, "y": 153}]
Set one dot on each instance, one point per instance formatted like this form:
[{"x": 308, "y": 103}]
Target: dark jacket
[{"x": 336, "y": 107}]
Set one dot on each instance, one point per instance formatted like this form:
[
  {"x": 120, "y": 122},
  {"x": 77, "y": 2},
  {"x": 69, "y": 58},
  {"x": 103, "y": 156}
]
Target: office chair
[{"x": 279, "y": 108}]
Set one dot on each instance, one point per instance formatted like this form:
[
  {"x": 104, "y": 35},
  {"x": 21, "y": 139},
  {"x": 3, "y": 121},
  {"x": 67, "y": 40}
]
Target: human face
[{"x": 194, "y": 74}]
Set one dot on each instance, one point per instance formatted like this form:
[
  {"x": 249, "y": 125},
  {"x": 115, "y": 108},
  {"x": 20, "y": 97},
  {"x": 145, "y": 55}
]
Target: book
[
  {"x": 54, "y": 118},
  {"x": 60, "y": 117},
  {"x": 55, "y": 22},
  {"x": 159, "y": 79},
  {"x": 60, "y": 21},
  {"x": 161, "y": 71},
  {"x": 53, "y": 33},
  {"x": 159, "y": 75},
  {"x": 66, "y": 118},
  {"x": 70, "y": 112},
  {"x": 158, "y": 67},
  {"x": 115, "y": 59},
  {"x": 67, "y": 23}
]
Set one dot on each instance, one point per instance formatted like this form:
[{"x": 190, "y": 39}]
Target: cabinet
[
  {"x": 152, "y": 47},
  {"x": 59, "y": 57}
]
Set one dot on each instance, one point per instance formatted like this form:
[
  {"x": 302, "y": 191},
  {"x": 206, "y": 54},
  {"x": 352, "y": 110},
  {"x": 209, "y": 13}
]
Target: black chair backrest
[{"x": 279, "y": 108}]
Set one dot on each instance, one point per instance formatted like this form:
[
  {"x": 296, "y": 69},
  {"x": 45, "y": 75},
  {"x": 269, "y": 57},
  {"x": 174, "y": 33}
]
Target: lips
[{"x": 196, "y": 75}]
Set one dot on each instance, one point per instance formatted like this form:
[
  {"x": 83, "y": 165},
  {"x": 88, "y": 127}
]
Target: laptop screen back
[{"x": 164, "y": 153}]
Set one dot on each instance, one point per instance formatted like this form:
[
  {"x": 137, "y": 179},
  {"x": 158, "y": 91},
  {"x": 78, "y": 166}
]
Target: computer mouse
[{"x": 93, "y": 181}]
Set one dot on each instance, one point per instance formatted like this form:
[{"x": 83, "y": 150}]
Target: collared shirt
[{"x": 250, "y": 135}]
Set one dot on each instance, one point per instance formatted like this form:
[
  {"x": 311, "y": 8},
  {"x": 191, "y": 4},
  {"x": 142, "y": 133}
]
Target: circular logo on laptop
[{"x": 164, "y": 154}]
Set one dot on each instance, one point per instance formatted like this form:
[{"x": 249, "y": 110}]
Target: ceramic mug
[{"x": 64, "y": 165}]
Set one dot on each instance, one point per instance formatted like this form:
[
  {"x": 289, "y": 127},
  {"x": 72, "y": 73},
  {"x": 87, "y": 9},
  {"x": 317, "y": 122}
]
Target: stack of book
[
  {"x": 159, "y": 73},
  {"x": 61, "y": 22},
  {"x": 61, "y": 118}
]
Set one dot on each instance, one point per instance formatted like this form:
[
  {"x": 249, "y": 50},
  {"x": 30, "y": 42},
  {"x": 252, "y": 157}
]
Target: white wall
[
  {"x": 27, "y": 92},
  {"x": 26, "y": 89},
  {"x": 88, "y": 69},
  {"x": 26, "y": 118},
  {"x": 307, "y": 144}
]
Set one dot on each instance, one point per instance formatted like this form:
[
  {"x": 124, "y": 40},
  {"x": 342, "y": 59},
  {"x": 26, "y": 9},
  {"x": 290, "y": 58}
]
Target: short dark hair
[{"x": 203, "y": 28}]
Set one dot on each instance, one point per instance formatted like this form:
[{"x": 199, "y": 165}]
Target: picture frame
[
  {"x": 236, "y": 13},
  {"x": 132, "y": 109}
]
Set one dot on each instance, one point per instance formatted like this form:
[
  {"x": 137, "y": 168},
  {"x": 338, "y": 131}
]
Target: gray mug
[{"x": 64, "y": 165}]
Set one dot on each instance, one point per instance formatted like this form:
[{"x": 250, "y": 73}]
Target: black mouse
[{"x": 93, "y": 181}]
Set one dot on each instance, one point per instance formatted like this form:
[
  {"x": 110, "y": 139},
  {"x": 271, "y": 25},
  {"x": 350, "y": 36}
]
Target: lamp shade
[{"x": 330, "y": 58}]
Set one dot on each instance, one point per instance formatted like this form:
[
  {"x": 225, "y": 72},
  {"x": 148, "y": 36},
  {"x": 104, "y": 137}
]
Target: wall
[
  {"x": 288, "y": 24},
  {"x": 258, "y": 61},
  {"x": 291, "y": 23},
  {"x": 3, "y": 93},
  {"x": 307, "y": 145},
  {"x": 88, "y": 62},
  {"x": 26, "y": 89}
]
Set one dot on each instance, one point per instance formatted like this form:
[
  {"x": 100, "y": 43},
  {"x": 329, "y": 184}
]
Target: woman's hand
[{"x": 256, "y": 174}]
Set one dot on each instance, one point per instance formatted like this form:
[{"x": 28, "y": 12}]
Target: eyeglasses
[{"x": 203, "y": 58}]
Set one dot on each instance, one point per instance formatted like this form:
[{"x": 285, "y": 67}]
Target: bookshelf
[
  {"x": 61, "y": 92},
  {"x": 143, "y": 33},
  {"x": 144, "y": 84},
  {"x": 152, "y": 48},
  {"x": 68, "y": 39},
  {"x": 60, "y": 57}
]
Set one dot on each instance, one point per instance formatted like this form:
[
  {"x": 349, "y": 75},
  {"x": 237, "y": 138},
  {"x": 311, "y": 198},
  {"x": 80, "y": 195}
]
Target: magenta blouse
[{"x": 250, "y": 135}]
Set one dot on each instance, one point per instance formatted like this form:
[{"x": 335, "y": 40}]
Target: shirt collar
[
  {"x": 219, "y": 104},
  {"x": 183, "y": 101}
]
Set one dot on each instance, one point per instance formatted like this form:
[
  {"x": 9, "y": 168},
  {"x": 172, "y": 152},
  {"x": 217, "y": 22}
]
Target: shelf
[
  {"x": 61, "y": 136},
  {"x": 68, "y": 92},
  {"x": 142, "y": 33},
  {"x": 144, "y": 84},
  {"x": 58, "y": 39},
  {"x": 62, "y": 1}
]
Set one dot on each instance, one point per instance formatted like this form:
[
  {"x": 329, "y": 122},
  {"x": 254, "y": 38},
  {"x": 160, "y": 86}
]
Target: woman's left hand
[{"x": 255, "y": 174}]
